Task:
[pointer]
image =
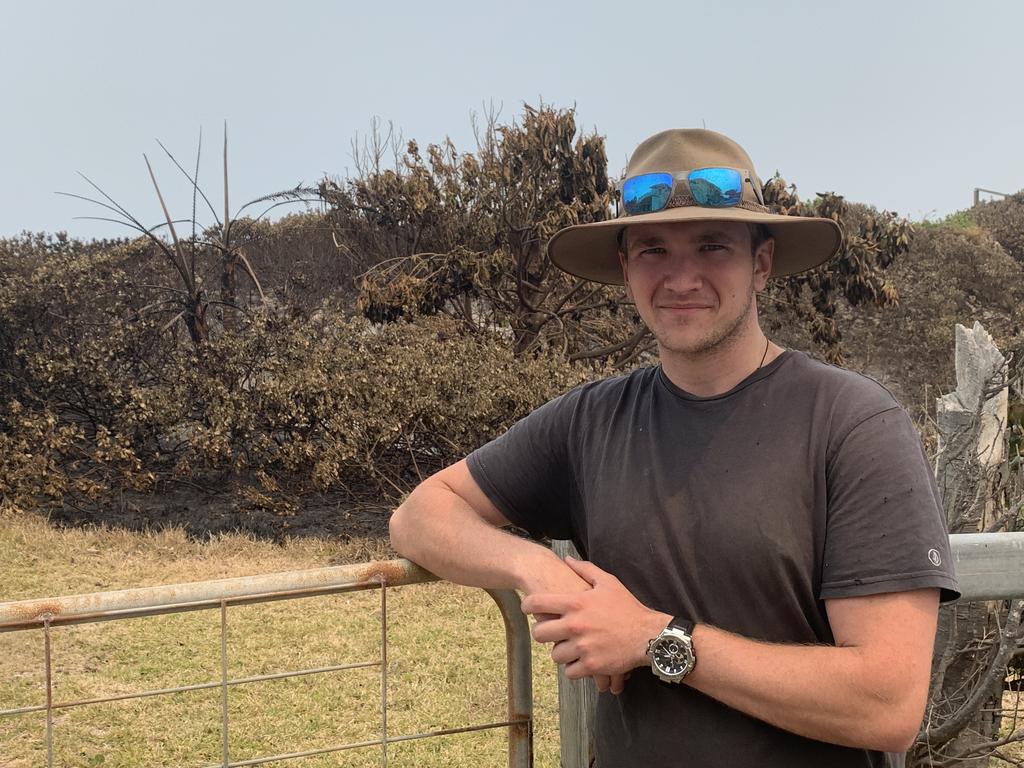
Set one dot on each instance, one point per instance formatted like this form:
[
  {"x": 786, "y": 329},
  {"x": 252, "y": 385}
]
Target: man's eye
[{"x": 651, "y": 251}]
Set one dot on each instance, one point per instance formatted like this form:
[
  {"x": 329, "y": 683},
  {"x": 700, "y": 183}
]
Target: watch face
[{"x": 673, "y": 657}]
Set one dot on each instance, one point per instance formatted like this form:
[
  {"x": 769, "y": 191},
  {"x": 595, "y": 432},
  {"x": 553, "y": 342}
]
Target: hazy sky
[{"x": 904, "y": 105}]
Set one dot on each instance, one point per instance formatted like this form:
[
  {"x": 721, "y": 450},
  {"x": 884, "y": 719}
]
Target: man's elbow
[
  {"x": 398, "y": 530},
  {"x": 897, "y": 734},
  {"x": 897, "y": 721}
]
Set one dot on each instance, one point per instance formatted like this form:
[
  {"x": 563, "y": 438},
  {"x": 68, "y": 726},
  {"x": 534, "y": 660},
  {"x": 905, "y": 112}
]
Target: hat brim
[{"x": 591, "y": 250}]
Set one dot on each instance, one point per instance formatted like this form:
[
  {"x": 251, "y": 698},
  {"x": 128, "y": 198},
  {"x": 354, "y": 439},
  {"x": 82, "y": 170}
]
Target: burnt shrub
[
  {"x": 98, "y": 392},
  {"x": 1004, "y": 220},
  {"x": 299, "y": 260},
  {"x": 950, "y": 275},
  {"x": 332, "y": 403}
]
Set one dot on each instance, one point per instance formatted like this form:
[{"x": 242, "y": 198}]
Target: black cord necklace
[{"x": 765, "y": 355}]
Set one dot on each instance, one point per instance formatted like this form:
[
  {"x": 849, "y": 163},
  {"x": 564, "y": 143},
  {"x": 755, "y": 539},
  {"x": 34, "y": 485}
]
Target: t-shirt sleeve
[
  {"x": 526, "y": 472},
  {"x": 885, "y": 529}
]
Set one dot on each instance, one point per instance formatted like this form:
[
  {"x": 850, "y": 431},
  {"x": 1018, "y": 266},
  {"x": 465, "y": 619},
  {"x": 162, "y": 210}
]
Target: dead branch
[{"x": 1009, "y": 639}]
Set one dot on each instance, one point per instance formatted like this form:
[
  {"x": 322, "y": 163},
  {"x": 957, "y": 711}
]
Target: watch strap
[{"x": 679, "y": 622}]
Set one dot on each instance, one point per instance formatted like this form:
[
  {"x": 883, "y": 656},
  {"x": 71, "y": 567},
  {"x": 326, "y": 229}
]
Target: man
[{"x": 765, "y": 549}]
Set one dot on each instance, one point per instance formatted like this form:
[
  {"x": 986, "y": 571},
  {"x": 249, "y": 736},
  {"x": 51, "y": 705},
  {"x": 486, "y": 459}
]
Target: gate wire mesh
[{"x": 207, "y": 595}]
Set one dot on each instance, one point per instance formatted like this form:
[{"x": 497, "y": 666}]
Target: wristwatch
[{"x": 671, "y": 652}]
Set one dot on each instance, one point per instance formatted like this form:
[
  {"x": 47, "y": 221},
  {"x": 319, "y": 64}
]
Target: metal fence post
[{"x": 520, "y": 677}]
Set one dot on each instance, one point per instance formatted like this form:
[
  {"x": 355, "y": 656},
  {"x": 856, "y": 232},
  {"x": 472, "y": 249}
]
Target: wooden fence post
[{"x": 577, "y": 700}]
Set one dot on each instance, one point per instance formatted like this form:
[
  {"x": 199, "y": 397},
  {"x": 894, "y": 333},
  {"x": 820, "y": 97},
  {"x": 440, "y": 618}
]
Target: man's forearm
[
  {"x": 840, "y": 695},
  {"x": 867, "y": 691},
  {"x": 438, "y": 530},
  {"x": 834, "y": 694}
]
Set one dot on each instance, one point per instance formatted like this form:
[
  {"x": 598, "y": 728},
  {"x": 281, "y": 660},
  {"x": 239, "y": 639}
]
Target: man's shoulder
[
  {"x": 612, "y": 388},
  {"x": 847, "y": 388},
  {"x": 838, "y": 401},
  {"x": 595, "y": 400}
]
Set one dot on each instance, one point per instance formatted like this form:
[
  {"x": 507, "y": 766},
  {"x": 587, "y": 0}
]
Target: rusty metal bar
[
  {"x": 383, "y": 673},
  {"x": 188, "y": 688},
  {"x": 369, "y": 743},
  {"x": 989, "y": 566},
  {"x": 174, "y": 598},
  {"x": 225, "y": 742},
  {"x": 520, "y": 678},
  {"x": 49, "y": 692}
]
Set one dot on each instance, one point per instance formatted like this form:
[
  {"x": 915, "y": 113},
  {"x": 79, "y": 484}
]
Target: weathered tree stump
[{"x": 971, "y": 423}]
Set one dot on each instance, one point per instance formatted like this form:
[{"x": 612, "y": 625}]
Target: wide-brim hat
[{"x": 592, "y": 250}]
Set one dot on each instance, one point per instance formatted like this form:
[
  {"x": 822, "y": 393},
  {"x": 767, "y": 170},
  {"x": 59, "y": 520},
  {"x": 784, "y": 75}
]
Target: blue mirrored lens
[
  {"x": 647, "y": 193},
  {"x": 716, "y": 187}
]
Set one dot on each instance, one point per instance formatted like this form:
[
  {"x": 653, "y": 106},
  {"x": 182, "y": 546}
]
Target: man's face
[{"x": 694, "y": 282}]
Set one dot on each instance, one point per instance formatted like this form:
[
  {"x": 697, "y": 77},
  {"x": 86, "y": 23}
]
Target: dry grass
[
  {"x": 1013, "y": 711},
  {"x": 446, "y": 659}
]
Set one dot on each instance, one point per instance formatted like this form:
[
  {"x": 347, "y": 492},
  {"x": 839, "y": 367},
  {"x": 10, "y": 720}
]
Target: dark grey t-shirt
[{"x": 745, "y": 511}]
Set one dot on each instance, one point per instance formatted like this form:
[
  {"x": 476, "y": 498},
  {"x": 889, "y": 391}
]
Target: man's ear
[
  {"x": 764, "y": 257},
  {"x": 625, "y": 273}
]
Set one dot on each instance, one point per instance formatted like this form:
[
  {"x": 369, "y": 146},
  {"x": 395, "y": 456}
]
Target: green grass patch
[
  {"x": 962, "y": 219},
  {"x": 446, "y": 660}
]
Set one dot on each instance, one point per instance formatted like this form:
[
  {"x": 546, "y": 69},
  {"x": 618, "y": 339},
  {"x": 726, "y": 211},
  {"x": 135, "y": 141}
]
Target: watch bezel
[{"x": 681, "y": 636}]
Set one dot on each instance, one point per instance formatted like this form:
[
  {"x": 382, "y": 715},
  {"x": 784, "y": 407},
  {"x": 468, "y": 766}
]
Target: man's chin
[
  {"x": 698, "y": 344},
  {"x": 688, "y": 347}
]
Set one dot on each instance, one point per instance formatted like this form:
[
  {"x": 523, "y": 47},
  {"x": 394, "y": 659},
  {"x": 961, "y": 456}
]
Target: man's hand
[
  {"x": 450, "y": 527},
  {"x": 601, "y": 632},
  {"x": 565, "y": 580}
]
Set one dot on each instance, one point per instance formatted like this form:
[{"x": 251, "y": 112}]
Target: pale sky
[{"x": 904, "y": 105}]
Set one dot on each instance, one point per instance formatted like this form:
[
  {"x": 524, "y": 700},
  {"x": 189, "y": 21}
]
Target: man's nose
[{"x": 683, "y": 274}]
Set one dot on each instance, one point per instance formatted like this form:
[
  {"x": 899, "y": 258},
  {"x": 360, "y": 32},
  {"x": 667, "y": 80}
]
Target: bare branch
[
  {"x": 252, "y": 274},
  {"x": 193, "y": 180},
  {"x": 590, "y": 354},
  {"x": 227, "y": 217},
  {"x": 179, "y": 262},
  {"x": 172, "y": 321},
  {"x": 1009, "y": 638}
]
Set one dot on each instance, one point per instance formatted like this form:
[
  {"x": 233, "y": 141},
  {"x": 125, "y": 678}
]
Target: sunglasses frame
[{"x": 746, "y": 176}]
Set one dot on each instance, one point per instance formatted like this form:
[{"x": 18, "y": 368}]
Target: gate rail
[{"x": 247, "y": 590}]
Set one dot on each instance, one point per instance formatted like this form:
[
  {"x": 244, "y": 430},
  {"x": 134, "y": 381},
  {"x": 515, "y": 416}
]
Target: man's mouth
[{"x": 684, "y": 307}]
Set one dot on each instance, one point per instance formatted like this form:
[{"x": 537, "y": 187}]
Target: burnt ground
[{"x": 203, "y": 513}]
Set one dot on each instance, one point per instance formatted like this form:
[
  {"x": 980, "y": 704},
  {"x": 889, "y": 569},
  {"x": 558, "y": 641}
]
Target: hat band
[{"x": 683, "y": 199}]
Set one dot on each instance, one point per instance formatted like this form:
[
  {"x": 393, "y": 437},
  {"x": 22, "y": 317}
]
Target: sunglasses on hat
[{"x": 709, "y": 187}]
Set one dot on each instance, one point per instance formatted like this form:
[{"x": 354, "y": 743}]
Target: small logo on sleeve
[{"x": 933, "y": 557}]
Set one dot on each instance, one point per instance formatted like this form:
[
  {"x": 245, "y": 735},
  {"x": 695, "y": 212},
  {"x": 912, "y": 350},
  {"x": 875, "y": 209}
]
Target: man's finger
[
  {"x": 586, "y": 570},
  {"x": 564, "y": 653},
  {"x": 551, "y": 631},
  {"x": 548, "y": 603},
  {"x": 603, "y": 682},
  {"x": 574, "y": 670},
  {"x": 616, "y": 683}
]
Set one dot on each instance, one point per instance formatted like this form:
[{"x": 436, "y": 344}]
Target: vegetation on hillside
[{"x": 346, "y": 352}]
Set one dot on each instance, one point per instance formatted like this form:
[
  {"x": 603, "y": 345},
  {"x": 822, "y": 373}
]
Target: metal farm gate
[{"x": 45, "y": 614}]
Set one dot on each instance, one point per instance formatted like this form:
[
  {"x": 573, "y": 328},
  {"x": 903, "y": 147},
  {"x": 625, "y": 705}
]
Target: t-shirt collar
[{"x": 757, "y": 375}]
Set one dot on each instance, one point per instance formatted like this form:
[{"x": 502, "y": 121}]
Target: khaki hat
[{"x": 592, "y": 250}]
